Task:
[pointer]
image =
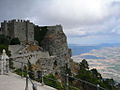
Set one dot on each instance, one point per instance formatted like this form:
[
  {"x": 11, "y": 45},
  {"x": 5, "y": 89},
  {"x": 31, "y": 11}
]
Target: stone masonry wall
[
  {"x": 30, "y": 31},
  {"x": 7, "y": 28},
  {"x": 22, "y": 29},
  {"x": 55, "y": 42}
]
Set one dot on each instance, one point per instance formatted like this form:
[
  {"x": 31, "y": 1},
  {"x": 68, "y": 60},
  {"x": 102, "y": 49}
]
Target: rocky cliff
[{"x": 53, "y": 40}]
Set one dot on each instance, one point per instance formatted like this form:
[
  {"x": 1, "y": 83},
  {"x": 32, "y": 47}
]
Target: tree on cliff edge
[{"x": 84, "y": 65}]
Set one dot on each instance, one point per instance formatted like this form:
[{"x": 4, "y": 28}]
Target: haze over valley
[{"x": 105, "y": 58}]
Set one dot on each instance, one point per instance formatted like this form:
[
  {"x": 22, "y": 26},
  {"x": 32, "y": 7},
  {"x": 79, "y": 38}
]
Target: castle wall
[
  {"x": 24, "y": 30},
  {"x": 10, "y": 29},
  {"x": 55, "y": 42},
  {"x": 30, "y": 31},
  {"x": 20, "y": 30},
  {"x": 4, "y": 28}
]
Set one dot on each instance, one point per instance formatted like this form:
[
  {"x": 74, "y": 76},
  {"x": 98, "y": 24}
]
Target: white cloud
[
  {"x": 94, "y": 39},
  {"x": 75, "y": 12},
  {"x": 80, "y": 18}
]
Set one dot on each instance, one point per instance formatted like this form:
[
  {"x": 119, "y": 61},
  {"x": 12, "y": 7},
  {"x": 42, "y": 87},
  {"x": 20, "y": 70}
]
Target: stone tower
[{"x": 22, "y": 29}]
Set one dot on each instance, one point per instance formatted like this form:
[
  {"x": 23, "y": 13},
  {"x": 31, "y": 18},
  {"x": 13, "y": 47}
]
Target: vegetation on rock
[
  {"x": 15, "y": 41},
  {"x": 84, "y": 73},
  {"x": 39, "y": 33},
  {"x": 4, "y": 40}
]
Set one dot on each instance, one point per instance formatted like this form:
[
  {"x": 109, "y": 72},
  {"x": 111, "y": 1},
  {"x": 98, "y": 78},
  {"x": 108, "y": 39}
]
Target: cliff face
[
  {"x": 53, "y": 53},
  {"x": 55, "y": 42}
]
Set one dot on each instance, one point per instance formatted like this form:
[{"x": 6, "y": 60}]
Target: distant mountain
[
  {"x": 91, "y": 57},
  {"x": 80, "y": 49},
  {"x": 109, "y": 44}
]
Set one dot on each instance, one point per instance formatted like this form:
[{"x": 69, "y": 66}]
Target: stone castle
[
  {"x": 22, "y": 29},
  {"x": 52, "y": 53}
]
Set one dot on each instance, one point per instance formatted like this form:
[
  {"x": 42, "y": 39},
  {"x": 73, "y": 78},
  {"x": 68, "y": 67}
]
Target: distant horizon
[
  {"x": 92, "y": 44},
  {"x": 78, "y": 49}
]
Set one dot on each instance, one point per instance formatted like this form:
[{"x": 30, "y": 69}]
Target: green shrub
[
  {"x": 4, "y": 40},
  {"x": 15, "y": 41},
  {"x": 52, "y": 81},
  {"x": 39, "y": 33},
  {"x": 19, "y": 72}
]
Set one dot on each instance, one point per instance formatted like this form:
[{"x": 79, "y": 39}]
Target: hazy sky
[{"x": 84, "y": 21}]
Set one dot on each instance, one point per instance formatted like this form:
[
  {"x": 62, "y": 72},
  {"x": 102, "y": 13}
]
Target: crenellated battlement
[{"x": 17, "y": 21}]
